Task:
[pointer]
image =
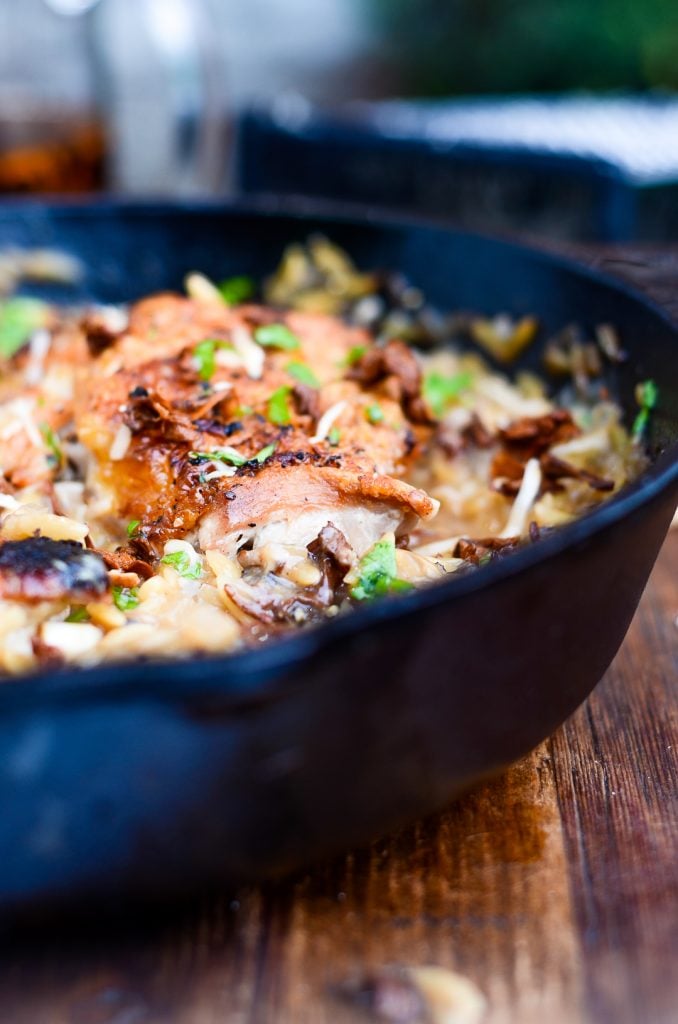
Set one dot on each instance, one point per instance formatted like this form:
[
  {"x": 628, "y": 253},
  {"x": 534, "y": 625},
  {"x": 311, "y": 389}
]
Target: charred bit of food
[{"x": 41, "y": 569}]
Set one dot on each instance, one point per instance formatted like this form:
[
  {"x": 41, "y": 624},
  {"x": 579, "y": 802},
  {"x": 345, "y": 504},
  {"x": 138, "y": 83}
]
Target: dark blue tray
[{"x": 486, "y": 187}]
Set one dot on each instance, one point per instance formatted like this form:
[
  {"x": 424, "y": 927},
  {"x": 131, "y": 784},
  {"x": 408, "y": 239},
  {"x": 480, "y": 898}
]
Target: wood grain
[
  {"x": 555, "y": 887},
  {"x": 617, "y": 783}
]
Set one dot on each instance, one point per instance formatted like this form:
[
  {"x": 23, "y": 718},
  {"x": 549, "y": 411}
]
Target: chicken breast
[{"x": 247, "y": 427}]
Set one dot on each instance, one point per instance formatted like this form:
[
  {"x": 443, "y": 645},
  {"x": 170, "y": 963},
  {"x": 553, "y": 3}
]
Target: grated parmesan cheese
[
  {"x": 121, "y": 443},
  {"x": 251, "y": 354},
  {"x": 38, "y": 347},
  {"x": 327, "y": 421},
  {"x": 525, "y": 499},
  {"x": 201, "y": 289}
]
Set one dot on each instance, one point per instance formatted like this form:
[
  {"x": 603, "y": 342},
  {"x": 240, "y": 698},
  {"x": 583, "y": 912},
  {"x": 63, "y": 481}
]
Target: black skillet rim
[{"x": 261, "y": 674}]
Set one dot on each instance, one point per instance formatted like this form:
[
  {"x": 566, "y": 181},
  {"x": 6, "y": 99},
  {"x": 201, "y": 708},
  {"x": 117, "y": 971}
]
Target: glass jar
[
  {"x": 52, "y": 136},
  {"x": 120, "y": 94},
  {"x": 160, "y": 80}
]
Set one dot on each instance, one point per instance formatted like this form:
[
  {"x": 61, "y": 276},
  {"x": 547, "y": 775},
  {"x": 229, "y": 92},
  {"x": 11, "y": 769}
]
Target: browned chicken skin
[{"x": 146, "y": 394}]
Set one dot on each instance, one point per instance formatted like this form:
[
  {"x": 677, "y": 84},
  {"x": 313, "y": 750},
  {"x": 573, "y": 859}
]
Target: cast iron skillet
[{"x": 150, "y": 779}]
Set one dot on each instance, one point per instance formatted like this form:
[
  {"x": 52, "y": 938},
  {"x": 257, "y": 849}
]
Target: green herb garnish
[
  {"x": 355, "y": 355},
  {"x": 439, "y": 391},
  {"x": 378, "y": 572},
  {"x": 647, "y": 394},
  {"x": 399, "y": 586},
  {"x": 133, "y": 526},
  {"x": 303, "y": 373},
  {"x": 374, "y": 413},
  {"x": 278, "y": 409},
  {"x": 265, "y": 453},
  {"x": 181, "y": 562},
  {"x": 334, "y": 436},
  {"x": 125, "y": 598},
  {"x": 204, "y": 355},
  {"x": 52, "y": 442},
  {"x": 276, "y": 336},
  {"x": 232, "y": 458},
  {"x": 19, "y": 319},
  {"x": 78, "y": 615},
  {"x": 235, "y": 290}
]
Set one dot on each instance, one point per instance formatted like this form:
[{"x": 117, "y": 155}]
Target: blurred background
[{"x": 548, "y": 117}]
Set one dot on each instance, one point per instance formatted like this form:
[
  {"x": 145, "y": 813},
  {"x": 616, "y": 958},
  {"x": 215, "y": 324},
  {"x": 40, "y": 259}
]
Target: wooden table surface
[{"x": 554, "y": 888}]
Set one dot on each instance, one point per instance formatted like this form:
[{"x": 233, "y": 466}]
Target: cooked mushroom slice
[
  {"x": 485, "y": 549},
  {"x": 125, "y": 561},
  {"x": 555, "y": 469},
  {"x": 396, "y": 367},
  {"x": 334, "y": 556}
]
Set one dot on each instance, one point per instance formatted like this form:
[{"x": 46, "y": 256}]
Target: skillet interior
[{"x": 261, "y": 761}]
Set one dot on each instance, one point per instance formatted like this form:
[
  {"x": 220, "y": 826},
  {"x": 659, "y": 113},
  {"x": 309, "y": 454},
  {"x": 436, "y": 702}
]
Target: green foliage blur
[{"x": 443, "y": 47}]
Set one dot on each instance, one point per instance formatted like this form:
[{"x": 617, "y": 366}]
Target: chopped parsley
[
  {"x": 125, "y": 598},
  {"x": 204, "y": 355},
  {"x": 52, "y": 442},
  {"x": 377, "y": 572},
  {"x": 228, "y": 455},
  {"x": 439, "y": 391},
  {"x": 334, "y": 436},
  {"x": 278, "y": 408},
  {"x": 183, "y": 564},
  {"x": 355, "y": 355},
  {"x": 19, "y": 319},
  {"x": 276, "y": 336},
  {"x": 265, "y": 453},
  {"x": 647, "y": 394},
  {"x": 232, "y": 457},
  {"x": 303, "y": 373},
  {"x": 78, "y": 614},
  {"x": 374, "y": 413},
  {"x": 235, "y": 290},
  {"x": 133, "y": 526}
]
